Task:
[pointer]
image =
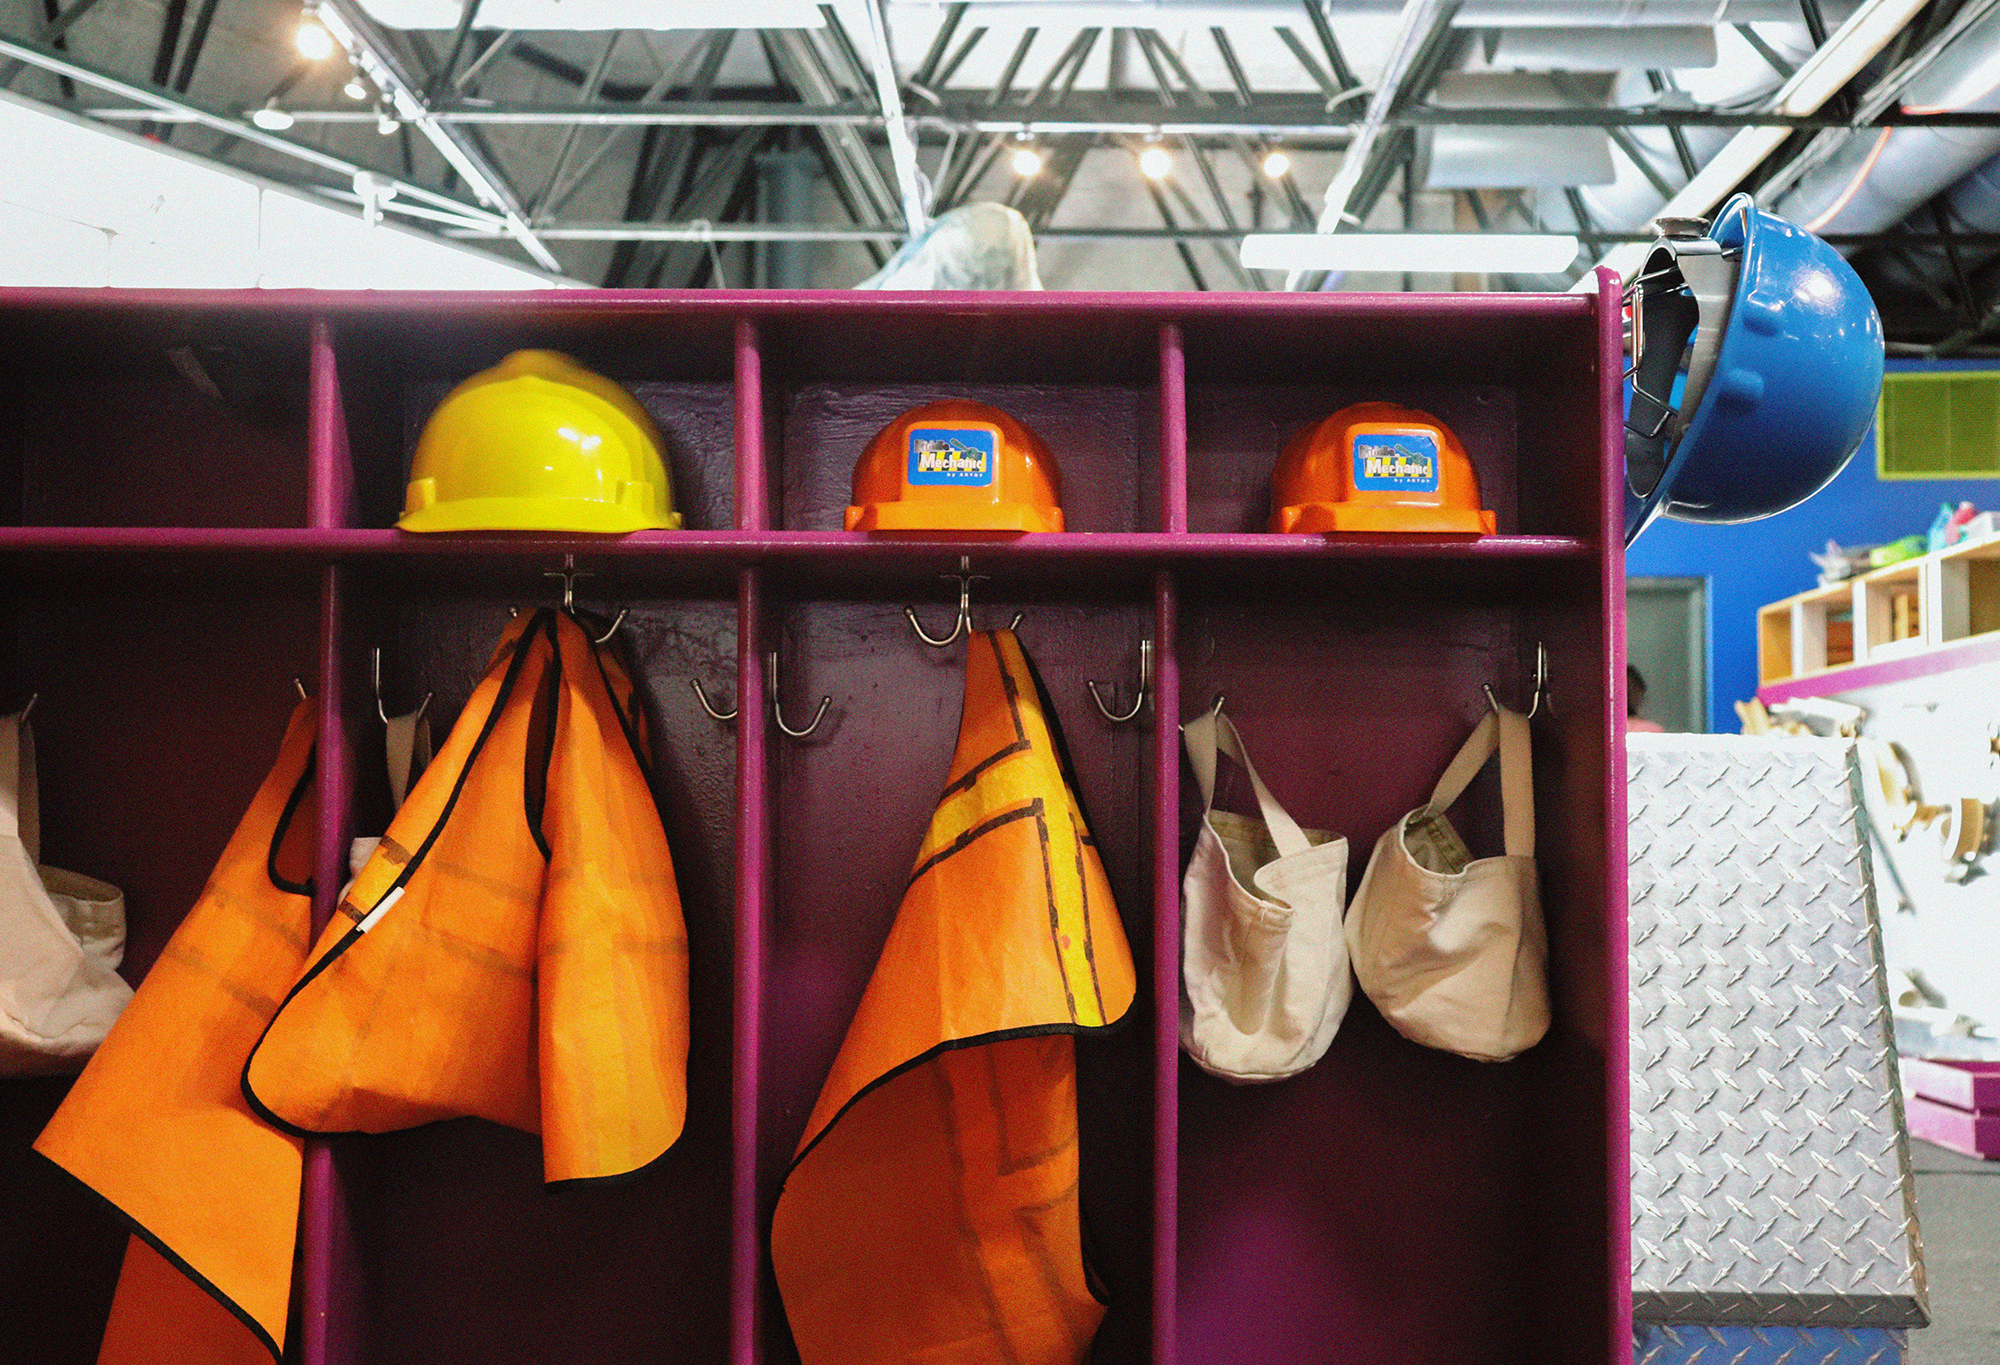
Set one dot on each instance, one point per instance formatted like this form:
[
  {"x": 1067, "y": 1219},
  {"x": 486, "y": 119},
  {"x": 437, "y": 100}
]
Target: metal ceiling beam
[
  {"x": 889, "y": 96},
  {"x": 344, "y": 19},
  {"x": 1083, "y": 114},
  {"x": 1421, "y": 19},
  {"x": 695, "y": 231},
  {"x": 166, "y": 104}
]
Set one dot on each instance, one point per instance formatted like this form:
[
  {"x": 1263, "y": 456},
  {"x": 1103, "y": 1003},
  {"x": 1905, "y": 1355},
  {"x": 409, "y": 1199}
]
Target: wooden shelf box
[{"x": 170, "y": 562}]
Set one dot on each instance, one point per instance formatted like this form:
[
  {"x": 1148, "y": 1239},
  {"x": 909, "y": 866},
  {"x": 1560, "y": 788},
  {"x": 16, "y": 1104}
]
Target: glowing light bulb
[
  {"x": 1154, "y": 163},
  {"x": 1276, "y": 164},
  {"x": 1027, "y": 162},
  {"x": 271, "y": 118},
  {"x": 355, "y": 90},
  {"x": 315, "y": 44}
]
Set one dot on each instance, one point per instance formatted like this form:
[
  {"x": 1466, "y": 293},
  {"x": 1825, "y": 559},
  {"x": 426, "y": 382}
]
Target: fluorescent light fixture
[
  {"x": 1441, "y": 252},
  {"x": 570, "y": 15},
  {"x": 1154, "y": 163},
  {"x": 1276, "y": 164}
]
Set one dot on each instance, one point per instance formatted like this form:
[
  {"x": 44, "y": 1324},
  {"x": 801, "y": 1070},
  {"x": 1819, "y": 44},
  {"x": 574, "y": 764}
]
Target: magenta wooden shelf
[{"x": 1375, "y": 1208}]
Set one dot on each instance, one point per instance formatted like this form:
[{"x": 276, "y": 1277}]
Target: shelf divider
[
  {"x": 1166, "y": 964},
  {"x": 753, "y": 502},
  {"x": 753, "y": 881},
  {"x": 329, "y": 460},
  {"x": 1173, "y": 431},
  {"x": 329, "y": 1323}
]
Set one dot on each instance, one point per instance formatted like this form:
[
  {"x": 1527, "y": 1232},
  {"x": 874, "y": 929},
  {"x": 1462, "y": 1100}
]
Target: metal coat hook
[
  {"x": 1540, "y": 697},
  {"x": 778, "y": 707},
  {"x": 724, "y": 716},
  {"x": 1140, "y": 696},
  {"x": 382, "y": 710},
  {"x": 33, "y": 697},
  {"x": 568, "y": 573},
  {"x": 1215, "y": 711},
  {"x": 963, "y": 625},
  {"x": 611, "y": 629}
]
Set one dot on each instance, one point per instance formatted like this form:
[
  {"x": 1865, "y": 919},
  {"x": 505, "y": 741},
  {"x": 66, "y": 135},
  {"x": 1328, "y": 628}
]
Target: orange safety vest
[
  {"x": 514, "y": 950},
  {"x": 156, "y": 1125},
  {"x": 930, "y": 1212}
]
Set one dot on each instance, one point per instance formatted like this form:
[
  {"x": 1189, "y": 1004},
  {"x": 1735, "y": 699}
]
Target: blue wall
[{"x": 1750, "y": 565}]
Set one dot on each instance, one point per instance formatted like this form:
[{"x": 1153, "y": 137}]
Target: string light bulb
[
  {"x": 314, "y": 43},
  {"x": 1027, "y": 162},
  {"x": 1276, "y": 164},
  {"x": 1155, "y": 164}
]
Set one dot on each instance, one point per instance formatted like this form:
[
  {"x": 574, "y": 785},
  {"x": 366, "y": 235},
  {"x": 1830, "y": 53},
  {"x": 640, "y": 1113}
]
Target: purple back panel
[
  {"x": 1362, "y": 1198},
  {"x": 466, "y": 1256},
  {"x": 851, "y": 805}
]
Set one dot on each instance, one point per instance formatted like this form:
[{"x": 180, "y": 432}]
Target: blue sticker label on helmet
[
  {"x": 950, "y": 458},
  {"x": 1403, "y": 462}
]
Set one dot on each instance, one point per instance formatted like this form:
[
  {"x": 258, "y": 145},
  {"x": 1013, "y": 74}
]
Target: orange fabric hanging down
[
  {"x": 513, "y": 951},
  {"x": 157, "y": 1125},
  {"x": 931, "y": 1210}
]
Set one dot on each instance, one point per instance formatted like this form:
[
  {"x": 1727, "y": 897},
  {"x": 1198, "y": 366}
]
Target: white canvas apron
[
  {"x": 1264, "y": 971},
  {"x": 1451, "y": 950},
  {"x": 61, "y": 936}
]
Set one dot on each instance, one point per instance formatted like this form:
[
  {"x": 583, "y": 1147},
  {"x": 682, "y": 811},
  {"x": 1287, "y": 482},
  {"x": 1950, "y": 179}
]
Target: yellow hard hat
[{"x": 539, "y": 443}]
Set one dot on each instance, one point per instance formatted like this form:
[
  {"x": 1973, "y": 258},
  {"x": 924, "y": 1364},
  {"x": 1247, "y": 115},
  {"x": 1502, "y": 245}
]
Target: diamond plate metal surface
[
  {"x": 1770, "y": 1168},
  {"x": 1664, "y": 1344}
]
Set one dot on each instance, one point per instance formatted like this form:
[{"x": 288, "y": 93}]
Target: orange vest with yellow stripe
[{"x": 931, "y": 1210}]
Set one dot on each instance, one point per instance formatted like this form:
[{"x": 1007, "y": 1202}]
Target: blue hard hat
[{"x": 1783, "y": 373}]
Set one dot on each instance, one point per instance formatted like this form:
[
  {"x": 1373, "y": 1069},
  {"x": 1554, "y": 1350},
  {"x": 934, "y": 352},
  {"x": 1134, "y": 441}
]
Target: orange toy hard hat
[
  {"x": 1377, "y": 467},
  {"x": 956, "y": 466}
]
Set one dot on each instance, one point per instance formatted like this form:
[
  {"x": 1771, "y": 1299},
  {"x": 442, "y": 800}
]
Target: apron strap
[
  {"x": 409, "y": 750},
  {"x": 1508, "y": 731},
  {"x": 1211, "y": 732},
  {"x": 20, "y": 816}
]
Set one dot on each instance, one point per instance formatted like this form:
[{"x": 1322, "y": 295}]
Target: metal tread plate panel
[
  {"x": 1665, "y": 1344},
  {"x": 1770, "y": 1171}
]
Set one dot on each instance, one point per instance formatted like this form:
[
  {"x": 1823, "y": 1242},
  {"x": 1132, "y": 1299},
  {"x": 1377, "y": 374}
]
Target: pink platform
[{"x": 1955, "y": 1104}]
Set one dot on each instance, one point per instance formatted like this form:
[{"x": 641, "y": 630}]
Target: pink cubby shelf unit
[{"x": 170, "y": 561}]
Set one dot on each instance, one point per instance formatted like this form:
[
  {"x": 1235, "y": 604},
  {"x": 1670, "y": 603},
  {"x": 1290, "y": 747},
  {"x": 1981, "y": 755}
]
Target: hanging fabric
[
  {"x": 1453, "y": 951},
  {"x": 514, "y": 950},
  {"x": 157, "y": 1125},
  {"x": 61, "y": 935},
  {"x": 931, "y": 1211},
  {"x": 1264, "y": 974}
]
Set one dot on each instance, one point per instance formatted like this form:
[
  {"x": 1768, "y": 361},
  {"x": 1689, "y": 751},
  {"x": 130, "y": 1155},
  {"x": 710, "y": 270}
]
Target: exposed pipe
[{"x": 1873, "y": 182}]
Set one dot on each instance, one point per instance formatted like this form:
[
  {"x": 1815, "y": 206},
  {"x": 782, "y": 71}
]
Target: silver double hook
[
  {"x": 569, "y": 573},
  {"x": 1141, "y": 695},
  {"x": 963, "y": 625},
  {"x": 771, "y": 693}
]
